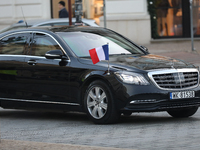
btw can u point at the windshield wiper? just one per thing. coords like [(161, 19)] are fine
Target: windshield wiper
[(124, 54), (121, 54)]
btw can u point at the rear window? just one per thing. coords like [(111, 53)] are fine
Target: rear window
[(14, 44)]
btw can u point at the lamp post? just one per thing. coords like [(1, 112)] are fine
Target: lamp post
[(104, 12), (191, 24), (70, 12), (78, 12)]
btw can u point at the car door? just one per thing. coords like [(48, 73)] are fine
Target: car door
[(48, 79), (12, 55)]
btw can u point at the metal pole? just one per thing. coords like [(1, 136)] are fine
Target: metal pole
[(70, 12), (191, 24), (78, 12), (104, 12)]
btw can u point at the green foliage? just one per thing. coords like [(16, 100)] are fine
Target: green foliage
[(152, 12)]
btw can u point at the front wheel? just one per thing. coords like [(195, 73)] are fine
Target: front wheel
[(99, 103), (183, 113)]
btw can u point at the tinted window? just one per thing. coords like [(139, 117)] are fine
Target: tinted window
[(14, 44), (82, 42), (41, 44)]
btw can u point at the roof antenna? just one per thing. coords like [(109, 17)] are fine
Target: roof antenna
[(24, 18)]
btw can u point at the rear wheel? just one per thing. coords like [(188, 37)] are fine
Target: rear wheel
[(183, 113), (99, 103)]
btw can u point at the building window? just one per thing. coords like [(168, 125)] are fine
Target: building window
[(92, 9), (171, 18), (196, 17)]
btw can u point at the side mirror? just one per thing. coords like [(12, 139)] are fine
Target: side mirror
[(54, 54), (144, 48)]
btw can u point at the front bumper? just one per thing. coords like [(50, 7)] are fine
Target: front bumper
[(161, 105), (151, 99)]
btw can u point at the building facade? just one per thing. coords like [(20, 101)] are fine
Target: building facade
[(130, 18), (11, 11), (139, 20)]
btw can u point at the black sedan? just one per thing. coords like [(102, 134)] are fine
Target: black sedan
[(51, 69)]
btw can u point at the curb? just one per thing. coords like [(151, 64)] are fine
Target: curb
[(27, 145)]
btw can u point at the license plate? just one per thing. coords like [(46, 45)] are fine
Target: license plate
[(182, 95)]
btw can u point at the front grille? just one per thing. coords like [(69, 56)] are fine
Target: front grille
[(177, 79)]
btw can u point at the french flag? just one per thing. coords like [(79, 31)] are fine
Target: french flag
[(99, 53)]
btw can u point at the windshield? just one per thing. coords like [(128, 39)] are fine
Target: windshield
[(82, 42)]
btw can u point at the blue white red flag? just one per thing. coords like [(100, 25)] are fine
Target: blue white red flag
[(99, 53)]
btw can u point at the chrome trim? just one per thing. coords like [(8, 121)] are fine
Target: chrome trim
[(40, 57), (36, 56), (13, 55), (42, 33), (143, 101), (25, 56), (36, 101), (165, 71), (16, 33)]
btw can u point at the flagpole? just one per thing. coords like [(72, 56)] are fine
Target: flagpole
[(108, 69), (108, 62)]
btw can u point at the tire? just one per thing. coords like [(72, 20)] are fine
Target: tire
[(99, 103), (127, 114), (183, 113)]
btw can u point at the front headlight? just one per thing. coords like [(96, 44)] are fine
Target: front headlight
[(132, 78)]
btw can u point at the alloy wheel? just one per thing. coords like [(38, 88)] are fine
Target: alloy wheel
[(97, 103)]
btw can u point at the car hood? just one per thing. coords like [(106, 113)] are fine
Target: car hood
[(142, 62), (149, 62)]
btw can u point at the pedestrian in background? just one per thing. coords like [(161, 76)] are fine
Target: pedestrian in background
[(63, 11)]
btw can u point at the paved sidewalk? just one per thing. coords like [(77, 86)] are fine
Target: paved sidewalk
[(26, 145), (176, 46), (179, 50)]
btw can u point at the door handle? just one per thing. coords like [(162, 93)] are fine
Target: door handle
[(32, 62)]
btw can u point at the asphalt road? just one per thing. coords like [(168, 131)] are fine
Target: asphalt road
[(143, 131)]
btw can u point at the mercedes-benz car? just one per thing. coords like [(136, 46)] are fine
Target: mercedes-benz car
[(51, 69)]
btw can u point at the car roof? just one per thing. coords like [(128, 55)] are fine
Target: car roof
[(43, 22), (79, 29), (59, 29), (39, 22)]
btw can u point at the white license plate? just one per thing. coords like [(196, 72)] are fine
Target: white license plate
[(182, 95)]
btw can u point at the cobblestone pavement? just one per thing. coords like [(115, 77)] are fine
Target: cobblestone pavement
[(143, 131)]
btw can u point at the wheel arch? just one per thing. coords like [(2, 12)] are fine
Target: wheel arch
[(88, 81)]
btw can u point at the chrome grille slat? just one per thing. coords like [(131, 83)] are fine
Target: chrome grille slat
[(165, 81), (183, 84), (189, 79), (175, 78)]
